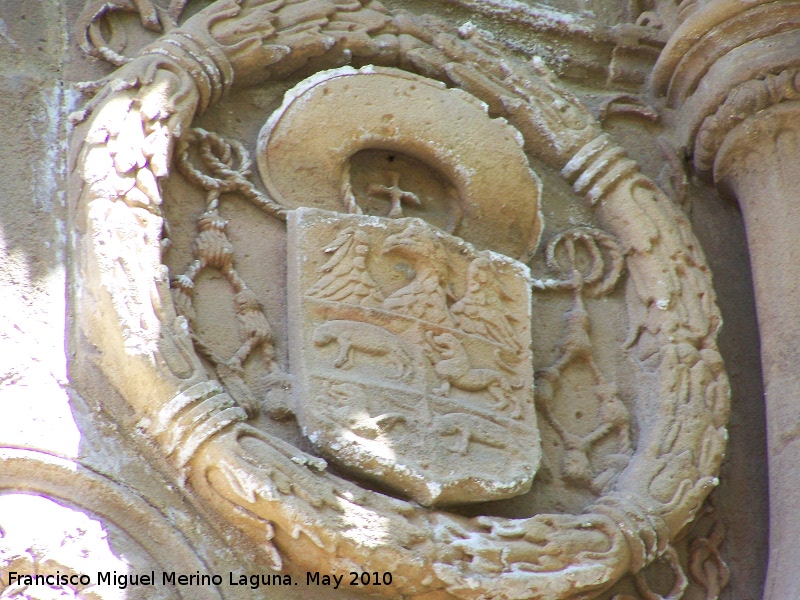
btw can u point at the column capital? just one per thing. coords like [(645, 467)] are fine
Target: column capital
[(726, 62)]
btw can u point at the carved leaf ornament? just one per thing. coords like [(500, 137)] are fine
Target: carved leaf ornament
[(285, 499)]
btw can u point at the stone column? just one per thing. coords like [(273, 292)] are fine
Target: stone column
[(730, 75)]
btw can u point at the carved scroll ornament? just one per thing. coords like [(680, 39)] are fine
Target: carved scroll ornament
[(283, 497)]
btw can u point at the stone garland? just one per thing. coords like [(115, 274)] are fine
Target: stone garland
[(278, 494)]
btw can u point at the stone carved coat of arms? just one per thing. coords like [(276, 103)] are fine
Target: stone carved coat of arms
[(410, 359), (423, 381)]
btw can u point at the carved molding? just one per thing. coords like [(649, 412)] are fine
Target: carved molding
[(284, 497), (742, 103), (100, 498), (631, 47), (726, 62)]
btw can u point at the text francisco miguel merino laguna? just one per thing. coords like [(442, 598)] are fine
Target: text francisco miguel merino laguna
[(122, 580)]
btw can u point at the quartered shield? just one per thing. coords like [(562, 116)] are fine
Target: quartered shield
[(411, 355)]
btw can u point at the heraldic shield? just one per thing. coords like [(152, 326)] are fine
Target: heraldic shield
[(411, 352)]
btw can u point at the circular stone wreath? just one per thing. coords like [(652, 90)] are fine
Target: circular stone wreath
[(283, 497)]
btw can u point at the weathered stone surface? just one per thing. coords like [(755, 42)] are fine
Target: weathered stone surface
[(494, 200), (252, 386), (393, 380)]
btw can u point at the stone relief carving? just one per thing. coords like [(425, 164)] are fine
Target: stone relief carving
[(707, 568), (349, 315), (395, 380), (576, 347), (212, 249)]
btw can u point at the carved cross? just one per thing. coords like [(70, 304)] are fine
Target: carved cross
[(396, 196)]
